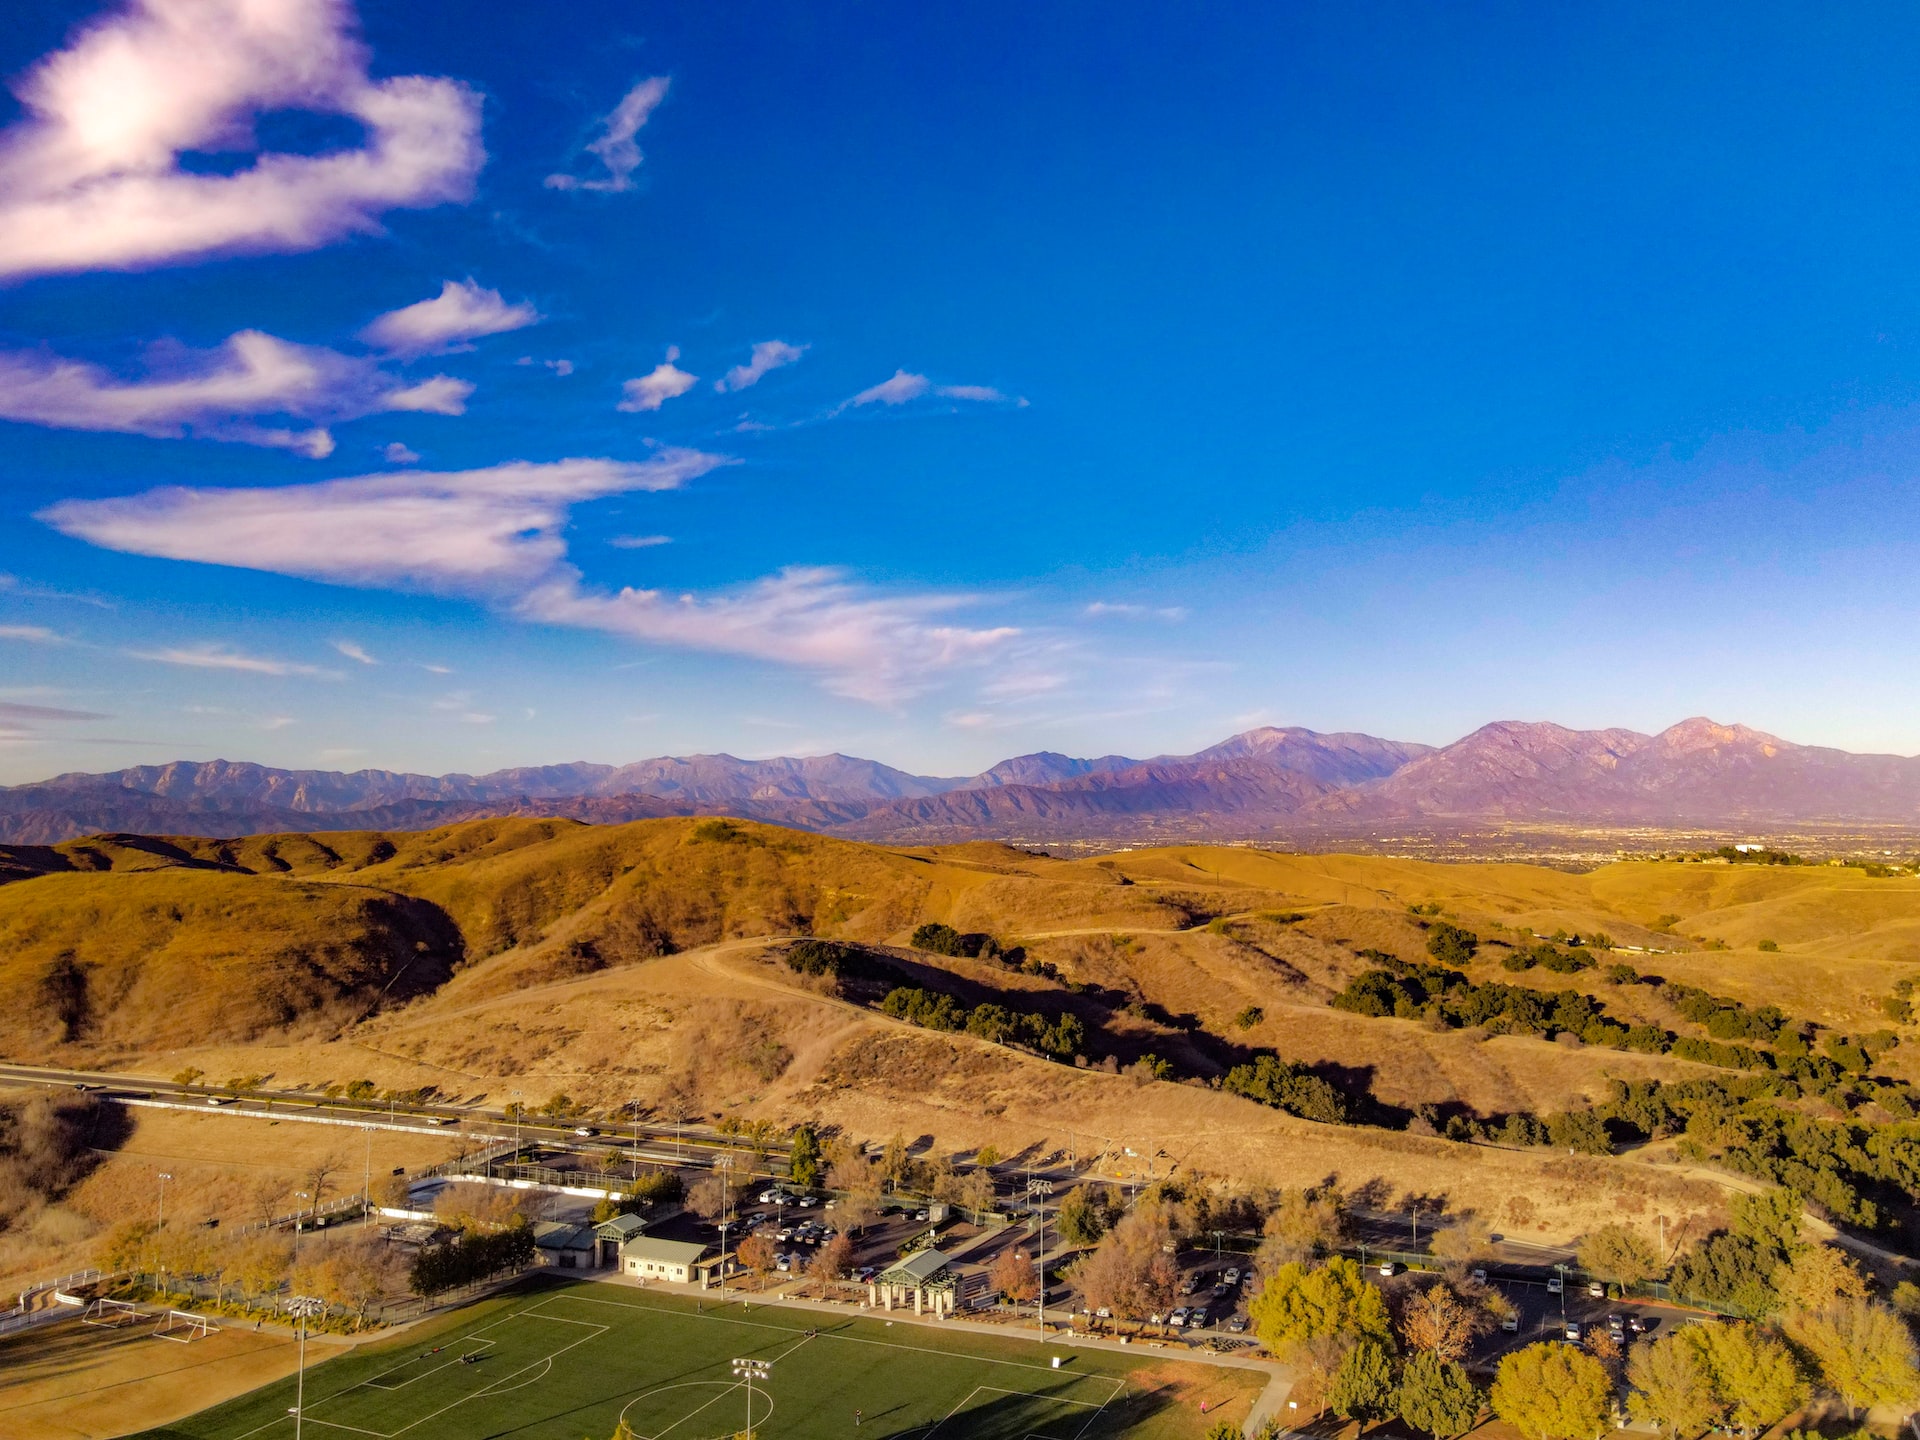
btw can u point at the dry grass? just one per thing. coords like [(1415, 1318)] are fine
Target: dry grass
[(571, 981), (82, 1382)]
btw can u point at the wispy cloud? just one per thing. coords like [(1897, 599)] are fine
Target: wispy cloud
[(903, 386), (639, 542), (767, 356), (663, 383), (91, 177), (223, 657), (462, 311), (27, 589), (11, 711), (32, 634), (1104, 609), (399, 454), (354, 652), (219, 394), (497, 534), (467, 530), (616, 148)]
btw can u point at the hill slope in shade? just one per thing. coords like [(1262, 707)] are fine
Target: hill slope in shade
[(1283, 784)]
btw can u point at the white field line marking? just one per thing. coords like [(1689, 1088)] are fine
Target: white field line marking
[(544, 1364), (376, 1382)]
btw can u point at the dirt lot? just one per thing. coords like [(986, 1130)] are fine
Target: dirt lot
[(71, 1381)]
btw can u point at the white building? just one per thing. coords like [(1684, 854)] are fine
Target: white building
[(645, 1258)]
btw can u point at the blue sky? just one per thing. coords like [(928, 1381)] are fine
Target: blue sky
[(1125, 377)]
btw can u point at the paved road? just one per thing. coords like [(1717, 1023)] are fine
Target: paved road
[(667, 1143)]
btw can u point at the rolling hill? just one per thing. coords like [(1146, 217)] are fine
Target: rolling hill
[(1266, 784)]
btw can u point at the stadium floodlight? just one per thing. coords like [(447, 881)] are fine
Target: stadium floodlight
[(750, 1371), (304, 1307)]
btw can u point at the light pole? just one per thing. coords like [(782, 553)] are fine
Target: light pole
[(159, 1224), (633, 1109), (303, 1307), (750, 1371), (366, 1192)]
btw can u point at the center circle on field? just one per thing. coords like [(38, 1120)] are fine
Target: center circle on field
[(762, 1408)]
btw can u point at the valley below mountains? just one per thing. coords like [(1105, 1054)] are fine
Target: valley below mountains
[(1513, 785)]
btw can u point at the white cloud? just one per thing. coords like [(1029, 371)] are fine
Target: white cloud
[(651, 391), (218, 394), (399, 454), (224, 657), (1101, 609), (354, 652), (562, 368), (277, 722), (767, 355), (872, 647), (615, 147), (441, 395), (904, 386), (461, 311), (91, 178), (458, 531), (31, 634), (496, 534), (639, 542)]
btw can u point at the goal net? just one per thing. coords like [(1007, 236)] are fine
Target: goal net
[(184, 1326), (110, 1312)]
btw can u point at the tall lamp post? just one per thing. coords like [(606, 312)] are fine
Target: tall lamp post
[(750, 1371), (302, 1307)]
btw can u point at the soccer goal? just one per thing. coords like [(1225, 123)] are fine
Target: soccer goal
[(184, 1326), (110, 1312)]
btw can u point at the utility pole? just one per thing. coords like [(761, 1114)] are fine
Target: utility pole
[(366, 1196), (633, 1109), (302, 1306)]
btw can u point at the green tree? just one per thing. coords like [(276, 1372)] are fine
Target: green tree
[(1619, 1254), (1673, 1386), (1552, 1391), (1362, 1387), (1301, 1303), (1083, 1216), (1864, 1351), (804, 1168), (1225, 1430), (1436, 1396), (1450, 945)]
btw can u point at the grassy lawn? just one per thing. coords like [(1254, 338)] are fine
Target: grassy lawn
[(566, 1361)]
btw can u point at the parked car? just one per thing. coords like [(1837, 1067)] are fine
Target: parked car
[(1573, 1330), (1556, 1286), (586, 1130), (1389, 1268), (1510, 1321), (769, 1197), (921, 1216), (1238, 1324), (1637, 1324), (1596, 1290), (865, 1274), (1179, 1318), (783, 1262), (1480, 1277), (1199, 1320), (1233, 1277), (1616, 1327), (1219, 1289)]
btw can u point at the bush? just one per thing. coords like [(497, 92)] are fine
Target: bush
[(1450, 945), (939, 939)]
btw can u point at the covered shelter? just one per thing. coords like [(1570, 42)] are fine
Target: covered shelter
[(610, 1235), (926, 1275)]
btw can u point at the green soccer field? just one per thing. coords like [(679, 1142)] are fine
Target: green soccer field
[(563, 1362)]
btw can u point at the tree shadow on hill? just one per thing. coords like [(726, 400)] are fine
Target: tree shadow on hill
[(1043, 1414)]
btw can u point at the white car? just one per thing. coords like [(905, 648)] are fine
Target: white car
[(1179, 1318), (1389, 1268), (1556, 1286), (1233, 1277)]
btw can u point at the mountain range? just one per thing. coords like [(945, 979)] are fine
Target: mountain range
[(1265, 783)]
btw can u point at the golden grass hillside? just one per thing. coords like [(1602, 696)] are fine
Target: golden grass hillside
[(125, 964), (637, 962)]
